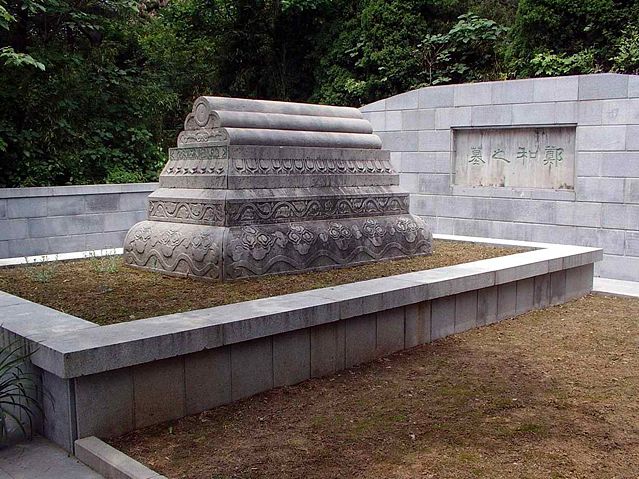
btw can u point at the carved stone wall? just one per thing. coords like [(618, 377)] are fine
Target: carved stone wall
[(260, 188)]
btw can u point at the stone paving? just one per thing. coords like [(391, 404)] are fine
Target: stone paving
[(41, 459)]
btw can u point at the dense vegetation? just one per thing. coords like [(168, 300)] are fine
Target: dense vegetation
[(96, 90)]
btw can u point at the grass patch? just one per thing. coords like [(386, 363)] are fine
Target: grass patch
[(552, 393), (103, 290)]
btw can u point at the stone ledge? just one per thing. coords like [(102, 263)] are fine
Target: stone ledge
[(109, 462), (92, 350), (77, 190)]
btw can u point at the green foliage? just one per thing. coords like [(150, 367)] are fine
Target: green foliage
[(550, 64), (627, 57), (19, 402), (97, 91), (40, 270), (467, 52), (109, 263)]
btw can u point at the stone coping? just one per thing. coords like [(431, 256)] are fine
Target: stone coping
[(70, 347), (76, 190)]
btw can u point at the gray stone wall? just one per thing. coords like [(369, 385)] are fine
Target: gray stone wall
[(65, 219), (601, 211)]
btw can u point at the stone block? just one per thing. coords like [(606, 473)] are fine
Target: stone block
[(3, 209), (506, 301), (158, 391), (66, 244), (57, 408), (393, 120), (417, 324), (513, 91), (541, 292), (109, 462), (114, 239), (327, 348), (13, 229), (403, 101), (28, 247), (434, 140), (579, 281), (525, 295), (466, 305), (446, 118), (207, 379), (487, 305), (612, 241), (473, 94), (566, 112), (4, 249), (122, 220), (534, 114), (620, 164), (425, 162), (377, 119), (251, 367), (434, 184), (425, 205), (27, 207), (631, 190), (390, 331), (602, 86), (436, 96), (360, 339), (633, 86), (602, 190), (619, 267), (559, 89), (597, 138), (557, 287), (65, 205), (492, 115), (589, 112), (399, 140), (620, 112), (578, 214), (104, 403), (632, 243), (617, 216), (375, 106), (442, 317), (64, 225), (133, 201), (632, 137), (418, 119), (102, 203), (409, 182), (291, 357)]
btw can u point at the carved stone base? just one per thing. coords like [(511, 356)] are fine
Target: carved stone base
[(216, 252)]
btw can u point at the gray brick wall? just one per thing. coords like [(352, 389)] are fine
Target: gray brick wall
[(602, 211), (65, 219)]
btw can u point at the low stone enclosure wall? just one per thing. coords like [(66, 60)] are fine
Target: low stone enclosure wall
[(468, 154), (108, 380), (67, 219)]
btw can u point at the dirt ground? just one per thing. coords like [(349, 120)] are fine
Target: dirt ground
[(551, 394), (105, 291)]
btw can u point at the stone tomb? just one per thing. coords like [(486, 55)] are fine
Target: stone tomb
[(260, 187)]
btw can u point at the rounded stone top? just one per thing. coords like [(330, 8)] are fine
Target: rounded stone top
[(239, 121)]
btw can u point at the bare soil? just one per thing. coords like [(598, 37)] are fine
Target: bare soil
[(550, 394), (106, 291)]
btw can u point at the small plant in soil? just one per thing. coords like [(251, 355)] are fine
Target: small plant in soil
[(104, 264), (19, 403), (40, 270)]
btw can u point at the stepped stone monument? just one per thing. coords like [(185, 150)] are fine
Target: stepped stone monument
[(261, 187)]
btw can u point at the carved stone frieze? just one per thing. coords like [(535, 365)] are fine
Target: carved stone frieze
[(309, 166), (206, 213), (181, 250), (259, 250), (203, 136), (278, 210)]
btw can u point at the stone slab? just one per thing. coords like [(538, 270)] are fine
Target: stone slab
[(251, 367), (417, 324), (207, 379), (442, 317), (109, 462), (390, 331), (466, 308), (327, 348), (291, 357), (360, 339)]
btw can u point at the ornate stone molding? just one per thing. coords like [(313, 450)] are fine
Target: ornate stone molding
[(187, 212), (305, 166)]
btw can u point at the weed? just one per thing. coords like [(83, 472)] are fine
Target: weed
[(104, 264), (40, 270)]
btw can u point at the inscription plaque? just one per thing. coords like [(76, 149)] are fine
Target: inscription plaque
[(531, 157)]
